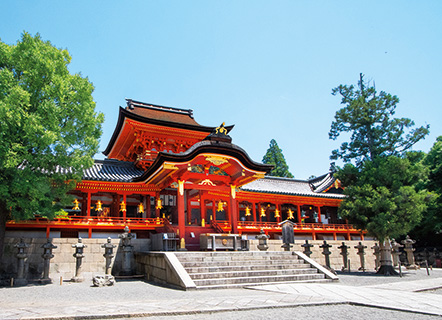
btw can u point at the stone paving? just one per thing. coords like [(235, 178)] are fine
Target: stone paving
[(139, 299)]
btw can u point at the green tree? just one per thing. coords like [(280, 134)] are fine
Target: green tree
[(367, 115), (49, 129), (381, 183), (275, 157), (429, 231)]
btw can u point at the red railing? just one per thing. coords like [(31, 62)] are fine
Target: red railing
[(273, 226), (84, 221)]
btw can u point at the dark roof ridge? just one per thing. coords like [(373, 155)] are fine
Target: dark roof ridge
[(158, 107)]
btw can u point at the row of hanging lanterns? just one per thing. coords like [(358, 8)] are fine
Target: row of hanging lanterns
[(99, 206)]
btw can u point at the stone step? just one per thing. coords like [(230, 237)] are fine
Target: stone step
[(251, 273), (257, 279), (189, 264), (244, 267), (220, 256)]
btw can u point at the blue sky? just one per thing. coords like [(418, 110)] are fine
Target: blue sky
[(266, 66)]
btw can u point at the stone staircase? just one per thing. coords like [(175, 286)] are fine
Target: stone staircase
[(210, 270)]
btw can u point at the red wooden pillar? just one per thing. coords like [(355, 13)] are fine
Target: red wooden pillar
[(254, 211), (189, 211), (319, 215), (298, 212), (88, 207), (203, 207), (259, 210), (233, 209), (181, 211)]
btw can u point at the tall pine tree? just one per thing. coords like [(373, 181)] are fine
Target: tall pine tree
[(381, 191), (275, 157)]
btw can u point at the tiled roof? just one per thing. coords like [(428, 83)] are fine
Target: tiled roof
[(112, 170), (321, 183), (162, 113), (122, 171), (291, 187)]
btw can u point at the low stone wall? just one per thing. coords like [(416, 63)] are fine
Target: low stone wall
[(63, 263), (336, 261), (163, 268)]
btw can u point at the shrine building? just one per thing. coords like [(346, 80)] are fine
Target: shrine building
[(165, 173)]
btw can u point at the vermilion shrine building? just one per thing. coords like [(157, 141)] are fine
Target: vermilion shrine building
[(166, 173)]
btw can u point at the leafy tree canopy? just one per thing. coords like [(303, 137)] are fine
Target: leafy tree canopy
[(429, 231), (382, 190), (275, 157), (382, 197), (49, 129), (367, 116)]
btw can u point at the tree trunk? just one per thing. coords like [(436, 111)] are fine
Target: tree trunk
[(386, 268)]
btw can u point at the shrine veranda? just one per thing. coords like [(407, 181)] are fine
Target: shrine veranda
[(165, 173)]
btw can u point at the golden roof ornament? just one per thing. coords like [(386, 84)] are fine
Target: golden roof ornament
[(221, 129)]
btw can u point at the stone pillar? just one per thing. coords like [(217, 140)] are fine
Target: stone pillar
[(377, 254), (326, 252), (408, 243), (288, 236), (79, 248), (307, 247), (127, 247), (262, 241), (361, 253), (20, 280), (47, 256), (344, 253), (108, 255)]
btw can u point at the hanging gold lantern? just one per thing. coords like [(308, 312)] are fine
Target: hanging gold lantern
[(248, 212), (140, 208), (277, 213), (98, 206), (76, 207), (123, 206), (220, 206), (290, 216), (263, 212), (159, 204)]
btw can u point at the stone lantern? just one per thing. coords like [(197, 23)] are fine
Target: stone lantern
[(21, 256), (262, 241), (47, 256)]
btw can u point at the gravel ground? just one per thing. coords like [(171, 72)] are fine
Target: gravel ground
[(328, 312)]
